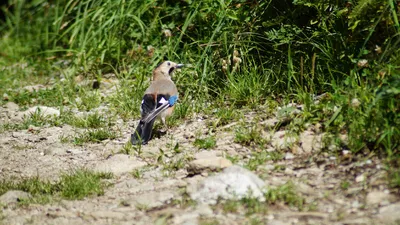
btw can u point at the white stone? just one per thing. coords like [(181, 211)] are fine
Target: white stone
[(389, 214), (14, 196), (233, 183), (378, 198), (44, 110), (360, 178), (11, 106), (289, 156)]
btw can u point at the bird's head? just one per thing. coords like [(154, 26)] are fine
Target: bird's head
[(165, 69)]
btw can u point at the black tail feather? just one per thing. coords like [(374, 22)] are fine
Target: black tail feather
[(143, 133)]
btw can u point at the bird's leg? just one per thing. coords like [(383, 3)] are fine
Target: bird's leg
[(164, 128)]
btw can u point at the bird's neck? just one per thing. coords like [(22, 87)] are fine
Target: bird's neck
[(161, 76)]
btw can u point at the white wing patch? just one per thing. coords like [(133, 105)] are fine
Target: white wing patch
[(162, 101)]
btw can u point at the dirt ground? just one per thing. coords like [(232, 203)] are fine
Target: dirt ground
[(339, 189)]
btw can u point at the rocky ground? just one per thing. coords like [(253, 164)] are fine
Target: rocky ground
[(185, 184)]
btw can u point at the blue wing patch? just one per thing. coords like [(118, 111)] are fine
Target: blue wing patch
[(172, 100)]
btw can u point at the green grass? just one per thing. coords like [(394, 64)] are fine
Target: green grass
[(35, 119), (77, 184), (94, 136), (205, 143), (82, 183), (285, 194), (245, 135), (93, 120), (261, 157)]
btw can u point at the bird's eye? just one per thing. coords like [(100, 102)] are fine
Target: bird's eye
[(169, 64)]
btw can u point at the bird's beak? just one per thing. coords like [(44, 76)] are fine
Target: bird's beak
[(179, 65)]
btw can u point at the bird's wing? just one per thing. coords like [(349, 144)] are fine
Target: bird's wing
[(158, 97)]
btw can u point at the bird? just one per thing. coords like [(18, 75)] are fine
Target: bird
[(158, 101)]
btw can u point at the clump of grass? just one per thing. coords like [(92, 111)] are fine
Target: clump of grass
[(344, 185), (37, 119), (137, 173), (249, 205), (205, 143), (93, 120), (88, 100), (94, 136), (261, 157), (47, 97), (176, 163), (248, 135), (285, 193), (82, 183), (78, 184), (226, 116)]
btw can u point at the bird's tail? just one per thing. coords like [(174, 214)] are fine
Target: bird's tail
[(143, 132)]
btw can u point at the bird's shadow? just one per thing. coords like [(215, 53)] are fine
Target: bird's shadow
[(158, 133)]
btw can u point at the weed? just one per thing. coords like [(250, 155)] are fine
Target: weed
[(137, 173), (286, 194), (344, 185), (233, 159), (94, 136), (92, 120), (260, 158), (205, 143), (74, 185), (248, 136), (225, 116), (249, 205), (82, 183)]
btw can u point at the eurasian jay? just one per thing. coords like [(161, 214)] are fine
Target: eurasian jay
[(158, 101)]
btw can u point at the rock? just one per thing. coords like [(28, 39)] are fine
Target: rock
[(108, 215), (208, 164), (119, 164), (360, 178), (278, 222), (304, 188), (6, 97), (233, 183), (206, 154), (44, 110), (270, 123), (14, 196), (152, 199), (379, 197), (310, 142), (389, 214), (11, 106), (190, 218), (32, 88), (358, 221), (289, 156), (204, 210), (305, 215), (280, 140)]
